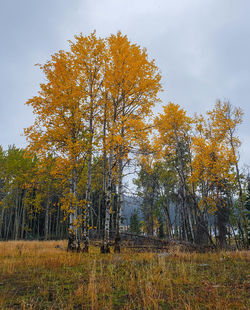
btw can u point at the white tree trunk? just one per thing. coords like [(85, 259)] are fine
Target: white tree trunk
[(106, 245)]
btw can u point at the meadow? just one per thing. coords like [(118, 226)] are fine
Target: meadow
[(39, 275)]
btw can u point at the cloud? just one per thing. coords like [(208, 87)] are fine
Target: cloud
[(201, 47)]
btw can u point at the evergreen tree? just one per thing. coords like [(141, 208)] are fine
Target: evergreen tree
[(135, 224)]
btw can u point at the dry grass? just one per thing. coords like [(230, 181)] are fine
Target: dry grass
[(36, 275)]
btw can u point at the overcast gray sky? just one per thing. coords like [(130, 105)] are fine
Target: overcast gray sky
[(202, 48)]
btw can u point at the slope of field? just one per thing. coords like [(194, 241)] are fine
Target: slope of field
[(37, 275)]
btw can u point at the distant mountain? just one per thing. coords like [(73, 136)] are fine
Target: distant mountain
[(130, 204)]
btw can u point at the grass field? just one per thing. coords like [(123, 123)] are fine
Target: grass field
[(36, 275)]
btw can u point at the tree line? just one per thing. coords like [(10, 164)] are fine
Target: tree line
[(93, 119)]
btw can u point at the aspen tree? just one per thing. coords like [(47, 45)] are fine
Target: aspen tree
[(132, 83), (213, 163), (106, 86), (89, 58), (173, 141), (58, 129), (224, 122)]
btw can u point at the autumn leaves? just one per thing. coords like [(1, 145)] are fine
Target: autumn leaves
[(94, 104), (202, 153), (206, 147)]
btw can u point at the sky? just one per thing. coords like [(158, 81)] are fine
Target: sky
[(202, 48)]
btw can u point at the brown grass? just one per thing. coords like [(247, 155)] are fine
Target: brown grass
[(36, 275)]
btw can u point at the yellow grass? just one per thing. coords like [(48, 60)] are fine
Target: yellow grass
[(36, 275)]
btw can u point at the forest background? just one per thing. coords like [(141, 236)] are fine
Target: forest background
[(211, 67)]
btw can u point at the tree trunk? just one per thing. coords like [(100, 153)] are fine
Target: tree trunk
[(119, 205), (2, 220), (87, 209), (73, 238), (106, 243), (46, 224), (17, 222), (88, 186), (221, 223), (23, 222)]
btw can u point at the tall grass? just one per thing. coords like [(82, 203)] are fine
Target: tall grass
[(37, 275)]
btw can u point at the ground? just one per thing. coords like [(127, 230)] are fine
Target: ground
[(39, 275)]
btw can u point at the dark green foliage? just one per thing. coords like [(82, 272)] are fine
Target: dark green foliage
[(135, 224)]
